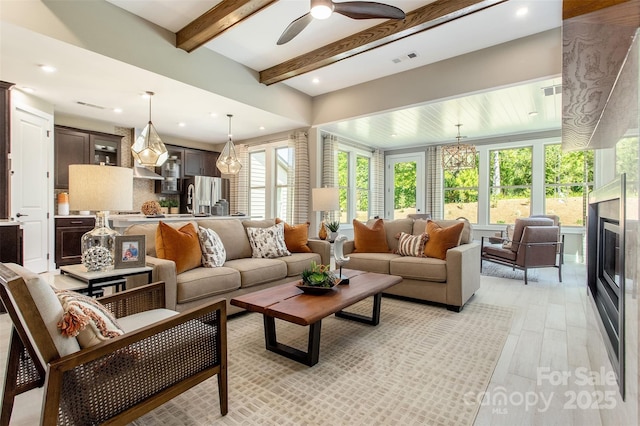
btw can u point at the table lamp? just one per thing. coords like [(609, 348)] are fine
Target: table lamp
[(100, 188), (324, 200)]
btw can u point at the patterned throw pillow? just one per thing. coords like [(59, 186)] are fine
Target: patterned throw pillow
[(213, 252), (412, 245), (268, 242), (87, 319)]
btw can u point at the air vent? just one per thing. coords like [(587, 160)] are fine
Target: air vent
[(411, 55), (90, 105), (552, 90)]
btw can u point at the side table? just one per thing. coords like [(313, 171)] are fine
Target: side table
[(98, 279)]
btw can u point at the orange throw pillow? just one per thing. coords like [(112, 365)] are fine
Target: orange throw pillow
[(296, 237), (180, 245), (369, 240), (442, 239)]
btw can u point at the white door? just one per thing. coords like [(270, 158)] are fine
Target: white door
[(31, 148), (404, 183)]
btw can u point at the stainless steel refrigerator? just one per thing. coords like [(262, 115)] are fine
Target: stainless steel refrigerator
[(202, 195)]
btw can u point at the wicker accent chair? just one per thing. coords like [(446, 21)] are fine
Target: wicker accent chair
[(161, 354), (535, 244)]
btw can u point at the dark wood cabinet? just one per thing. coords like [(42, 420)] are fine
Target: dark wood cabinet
[(11, 247), (75, 146), (210, 168), (200, 163), (69, 232)]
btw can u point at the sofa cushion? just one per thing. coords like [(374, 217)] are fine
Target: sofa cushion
[(425, 268), (213, 252), (199, 283), (420, 225), (393, 228), (180, 245), (268, 242), (149, 232), (87, 319), (142, 319), (442, 239), (263, 223), (371, 262), (499, 251), (296, 237), (254, 271), (298, 262), (370, 239), (233, 235), (411, 245)]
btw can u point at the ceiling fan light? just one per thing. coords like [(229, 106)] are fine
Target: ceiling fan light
[(321, 9)]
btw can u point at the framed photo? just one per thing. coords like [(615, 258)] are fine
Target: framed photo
[(130, 251)]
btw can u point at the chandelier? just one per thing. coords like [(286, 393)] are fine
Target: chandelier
[(228, 162), (458, 156), (148, 148)]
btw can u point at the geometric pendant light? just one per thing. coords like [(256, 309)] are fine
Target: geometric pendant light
[(228, 162), (148, 148), (458, 156)]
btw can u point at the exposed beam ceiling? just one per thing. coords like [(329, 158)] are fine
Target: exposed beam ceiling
[(218, 19), (424, 18)]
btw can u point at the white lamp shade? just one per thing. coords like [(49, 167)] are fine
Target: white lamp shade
[(325, 199), (100, 188)]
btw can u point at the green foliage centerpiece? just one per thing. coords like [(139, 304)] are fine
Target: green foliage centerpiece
[(318, 277)]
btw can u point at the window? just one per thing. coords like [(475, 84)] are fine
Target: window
[(568, 181), (271, 181), (461, 194), (354, 175), (510, 183)]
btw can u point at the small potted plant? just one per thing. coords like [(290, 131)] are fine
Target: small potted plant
[(317, 278), (164, 206), (333, 227), (174, 206)]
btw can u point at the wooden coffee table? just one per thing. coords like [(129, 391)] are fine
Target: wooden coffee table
[(287, 302)]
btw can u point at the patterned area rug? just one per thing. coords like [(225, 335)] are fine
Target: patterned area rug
[(421, 365), (502, 271)]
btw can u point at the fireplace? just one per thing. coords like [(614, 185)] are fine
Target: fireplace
[(605, 268)]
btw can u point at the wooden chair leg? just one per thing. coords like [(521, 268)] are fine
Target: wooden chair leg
[(11, 377), (222, 390)]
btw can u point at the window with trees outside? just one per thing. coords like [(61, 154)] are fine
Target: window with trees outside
[(270, 186), (461, 193), (353, 172), (568, 181), (510, 182)]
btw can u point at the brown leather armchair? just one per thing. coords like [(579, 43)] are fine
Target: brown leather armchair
[(535, 244)]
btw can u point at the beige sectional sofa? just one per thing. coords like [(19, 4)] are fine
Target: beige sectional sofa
[(240, 273), (450, 282)]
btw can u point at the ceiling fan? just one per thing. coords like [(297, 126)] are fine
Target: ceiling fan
[(322, 9)]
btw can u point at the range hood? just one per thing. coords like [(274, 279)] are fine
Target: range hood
[(141, 172)]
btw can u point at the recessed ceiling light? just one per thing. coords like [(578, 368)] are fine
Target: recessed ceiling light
[(145, 96), (522, 12), (182, 124), (214, 114), (117, 110), (261, 127), (47, 68), (315, 80), (28, 89), (533, 113), (393, 135)]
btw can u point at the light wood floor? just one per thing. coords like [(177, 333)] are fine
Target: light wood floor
[(548, 331)]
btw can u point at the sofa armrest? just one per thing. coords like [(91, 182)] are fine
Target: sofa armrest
[(323, 248), (463, 273), (165, 270), (348, 247)]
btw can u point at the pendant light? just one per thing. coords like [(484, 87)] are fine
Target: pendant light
[(458, 156), (148, 148), (228, 162)]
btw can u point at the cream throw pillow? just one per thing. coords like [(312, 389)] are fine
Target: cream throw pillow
[(412, 245), (268, 242)]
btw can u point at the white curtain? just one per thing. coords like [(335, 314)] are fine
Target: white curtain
[(434, 181), (376, 184), (329, 167), (299, 179), (239, 183)]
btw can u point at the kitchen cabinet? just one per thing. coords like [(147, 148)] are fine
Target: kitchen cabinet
[(75, 146), (200, 163), (69, 232), (11, 247)]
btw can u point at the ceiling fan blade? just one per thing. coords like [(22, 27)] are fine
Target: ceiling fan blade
[(368, 10), (295, 28)]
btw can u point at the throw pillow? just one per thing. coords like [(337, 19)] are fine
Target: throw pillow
[(296, 237), (442, 239), (412, 245), (369, 240), (87, 319), (268, 242), (180, 245), (213, 252), (509, 240)]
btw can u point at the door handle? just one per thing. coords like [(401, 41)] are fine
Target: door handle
[(20, 215)]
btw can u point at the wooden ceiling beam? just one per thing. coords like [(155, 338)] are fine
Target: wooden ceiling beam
[(424, 18), (218, 19)]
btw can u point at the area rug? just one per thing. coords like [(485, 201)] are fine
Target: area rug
[(421, 365), (502, 271)]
